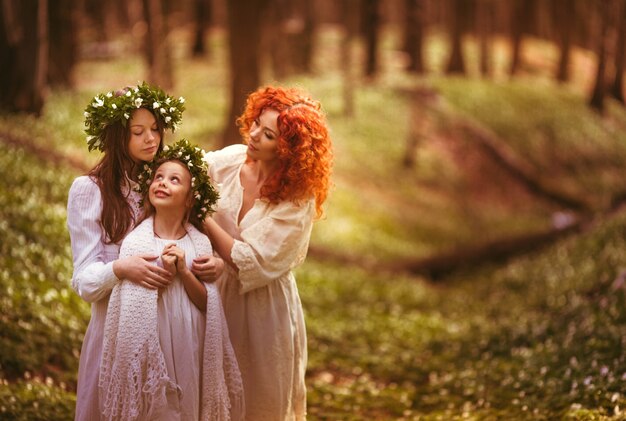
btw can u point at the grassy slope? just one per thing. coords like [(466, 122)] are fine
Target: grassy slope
[(537, 338)]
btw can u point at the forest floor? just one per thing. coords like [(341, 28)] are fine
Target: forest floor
[(539, 335)]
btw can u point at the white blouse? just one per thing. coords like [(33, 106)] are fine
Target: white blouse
[(93, 279), (261, 301)]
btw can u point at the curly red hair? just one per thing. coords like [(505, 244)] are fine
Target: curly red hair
[(304, 146)]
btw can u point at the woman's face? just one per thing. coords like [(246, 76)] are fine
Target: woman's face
[(144, 136), (264, 136), (170, 186)]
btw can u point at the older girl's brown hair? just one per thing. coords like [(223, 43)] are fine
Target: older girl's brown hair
[(110, 174), (304, 146)]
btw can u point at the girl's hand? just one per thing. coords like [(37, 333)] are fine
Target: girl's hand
[(140, 270), (176, 255), (207, 268), (169, 261)]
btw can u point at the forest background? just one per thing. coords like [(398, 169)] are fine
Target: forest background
[(470, 264)]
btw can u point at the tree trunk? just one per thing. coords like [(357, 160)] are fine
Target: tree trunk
[(63, 42), (244, 25), (484, 23), (158, 52), (24, 55), (597, 97), (351, 23), (300, 31), (414, 35), (371, 24), (564, 18), (203, 20), (456, 63), (522, 12), (617, 89), (276, 39)]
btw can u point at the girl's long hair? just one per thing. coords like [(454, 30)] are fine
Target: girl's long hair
[(110, 174), (304, 148)]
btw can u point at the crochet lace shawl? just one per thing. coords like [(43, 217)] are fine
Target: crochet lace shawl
[(133, 376)]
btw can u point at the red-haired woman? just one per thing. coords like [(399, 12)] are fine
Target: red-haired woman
[(271, 190)]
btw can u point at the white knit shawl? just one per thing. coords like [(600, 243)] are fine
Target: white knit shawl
[(133, 376)]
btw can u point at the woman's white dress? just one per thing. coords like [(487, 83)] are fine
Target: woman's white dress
[(261, 301), (93, 279)]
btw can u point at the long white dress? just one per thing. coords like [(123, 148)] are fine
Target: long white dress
[(162, 358), (93, 279), (261, 302)]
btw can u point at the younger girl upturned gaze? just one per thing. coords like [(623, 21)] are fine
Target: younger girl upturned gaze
[(167, 353)]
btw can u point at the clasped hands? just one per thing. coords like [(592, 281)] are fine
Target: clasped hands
[(207, 268)]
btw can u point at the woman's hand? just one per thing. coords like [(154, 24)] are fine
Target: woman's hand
[(140, 270), (207, 268)]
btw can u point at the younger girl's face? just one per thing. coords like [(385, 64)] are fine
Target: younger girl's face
[(170, 187), (144, 136)]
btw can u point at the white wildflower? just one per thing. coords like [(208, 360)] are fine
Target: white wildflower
[(126, 116), (128, 93), (162, 110), (155, 105), (172, 109), (182, 100), (138, 102), (86, 114), (166, 148), (167, 101), (114, 106), (98, 102), (109, 94), (168, 119)]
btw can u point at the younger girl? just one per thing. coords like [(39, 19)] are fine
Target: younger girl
[(166, 353)]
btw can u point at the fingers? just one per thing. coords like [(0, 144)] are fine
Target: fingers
[(204, 258), (149, 257), (154, 281)]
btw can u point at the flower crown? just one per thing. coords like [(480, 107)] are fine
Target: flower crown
[(204, 194), (105, 109)]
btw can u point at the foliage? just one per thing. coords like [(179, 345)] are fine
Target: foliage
[(36, 400), (42, 319), (540, 338)]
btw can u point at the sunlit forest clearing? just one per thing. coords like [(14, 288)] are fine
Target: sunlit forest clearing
[(537, 334)]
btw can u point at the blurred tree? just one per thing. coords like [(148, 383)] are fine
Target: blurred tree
[(458, 9), (157, 48), (23, 54), (202, 16), (244, 29), (617, 88), (414, 34), (599, 91), (563, 17), (289, 36), (351, 24), (97, 12), (63, 43), (522, 14), (370, 28), (484, 25)]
